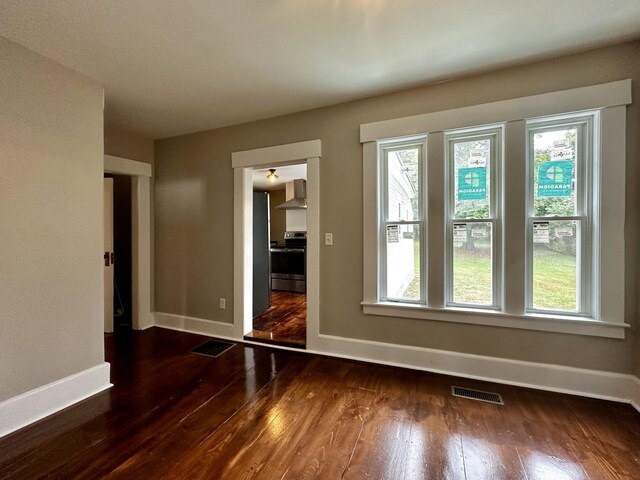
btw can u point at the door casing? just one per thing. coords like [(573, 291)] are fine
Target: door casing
[(141, 174), (308, 152)]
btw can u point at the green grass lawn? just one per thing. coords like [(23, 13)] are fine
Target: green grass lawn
[(554, 282), (472, 276)]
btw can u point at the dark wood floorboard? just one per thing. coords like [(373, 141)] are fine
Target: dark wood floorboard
[(284, 323), (260, 413)]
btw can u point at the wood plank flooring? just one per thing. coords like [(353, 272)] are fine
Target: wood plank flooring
[(284, 323), (259, 413)]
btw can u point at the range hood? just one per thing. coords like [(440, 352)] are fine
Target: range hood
[(296, 195)]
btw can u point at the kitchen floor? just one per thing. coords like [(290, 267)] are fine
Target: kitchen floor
[(284, 323)]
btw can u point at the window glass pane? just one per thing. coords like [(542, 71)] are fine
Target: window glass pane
[(402, 184), (554, 176), (472, 276), (555, 260), (403, 262), (472, 178)]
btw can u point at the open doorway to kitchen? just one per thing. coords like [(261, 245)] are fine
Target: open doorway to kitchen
[(307, 152), (279, 256)]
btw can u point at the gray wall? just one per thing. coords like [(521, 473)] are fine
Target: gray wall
[(121, 143), (51, 168), (194, 212)]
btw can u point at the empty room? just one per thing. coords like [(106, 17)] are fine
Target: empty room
[(341, 239)]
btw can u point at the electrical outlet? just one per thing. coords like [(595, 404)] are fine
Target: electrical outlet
[(223, 303), (328, 238)]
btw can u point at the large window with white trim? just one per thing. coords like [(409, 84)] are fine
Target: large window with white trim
[(508, 214)]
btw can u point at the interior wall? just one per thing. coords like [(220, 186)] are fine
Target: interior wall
[(125, 144), (51, 169), (194, 212), (296, 220)]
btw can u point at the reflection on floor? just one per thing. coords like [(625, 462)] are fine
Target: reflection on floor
[(285, 323)]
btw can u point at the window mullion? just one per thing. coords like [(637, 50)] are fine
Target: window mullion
[(558, 218), (474, 220)]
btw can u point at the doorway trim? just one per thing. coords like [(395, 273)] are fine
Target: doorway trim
[(243, 163), (140, 173)]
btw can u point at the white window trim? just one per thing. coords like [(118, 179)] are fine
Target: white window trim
[(496, 133), (586, 163), (611, 100), (421, 143)]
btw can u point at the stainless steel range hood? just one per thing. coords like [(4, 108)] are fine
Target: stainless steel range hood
[(297, 188)]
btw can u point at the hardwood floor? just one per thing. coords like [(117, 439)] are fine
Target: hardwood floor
[(284, 323), (260, 413)]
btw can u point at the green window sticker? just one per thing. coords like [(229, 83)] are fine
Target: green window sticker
[(472, 183), (555, 179)]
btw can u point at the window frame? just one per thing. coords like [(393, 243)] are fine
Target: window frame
[(607, 317), (587, 192), (390, 145), (493, 133)]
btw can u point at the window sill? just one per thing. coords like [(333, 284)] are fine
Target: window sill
[(528, 321)]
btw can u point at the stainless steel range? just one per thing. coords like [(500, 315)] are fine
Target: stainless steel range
[(289, 263)]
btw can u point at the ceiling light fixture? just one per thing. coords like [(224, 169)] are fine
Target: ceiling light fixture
[(272, 177)]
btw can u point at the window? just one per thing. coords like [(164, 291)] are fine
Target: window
[(473, 233), (560, 202), (402, 221), (507, 214)]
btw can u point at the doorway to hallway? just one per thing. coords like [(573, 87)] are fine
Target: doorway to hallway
[(118, 288)]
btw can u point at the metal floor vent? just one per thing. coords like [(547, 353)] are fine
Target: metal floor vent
[(479, 395), (213, 348)]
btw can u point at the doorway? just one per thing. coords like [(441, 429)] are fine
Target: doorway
[(279, 256), (121, 253), (244, 163), (138, 175)]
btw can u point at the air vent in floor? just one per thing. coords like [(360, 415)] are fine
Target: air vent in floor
[(477, 395), (213, 348)]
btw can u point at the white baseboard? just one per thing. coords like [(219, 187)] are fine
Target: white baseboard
[(31, 406), (541, 376), (635, 393), (145, 327), (194, 325)]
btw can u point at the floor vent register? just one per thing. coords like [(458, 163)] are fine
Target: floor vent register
[(213, 348), (479, 395)]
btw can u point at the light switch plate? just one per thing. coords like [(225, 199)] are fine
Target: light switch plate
[(328, 238)]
